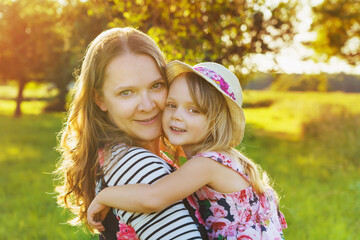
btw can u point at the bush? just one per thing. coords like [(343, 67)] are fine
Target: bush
[(344, 82), (301, 82), (339, 130)]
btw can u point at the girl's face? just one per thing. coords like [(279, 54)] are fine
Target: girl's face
[(134, 95), (183, 124)]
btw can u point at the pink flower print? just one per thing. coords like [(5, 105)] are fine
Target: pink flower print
[(126, 233), (232, 229), (218, 211), (218, 226), (282, 221), (241, 196), (243, 237), (197, 212), (218, 80), (248, 216), (208, 193)]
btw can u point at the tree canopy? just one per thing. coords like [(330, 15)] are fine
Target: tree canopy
[(44, 40), (337, 24), (209, 30)]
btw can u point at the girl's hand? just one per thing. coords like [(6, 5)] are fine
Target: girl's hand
[(96, 213)]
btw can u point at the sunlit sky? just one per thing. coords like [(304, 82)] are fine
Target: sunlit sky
[(290, 58)]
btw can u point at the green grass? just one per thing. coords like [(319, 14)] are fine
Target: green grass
[(309, 144), (28, 206)]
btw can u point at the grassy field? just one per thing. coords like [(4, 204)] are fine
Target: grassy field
[(309, 143)]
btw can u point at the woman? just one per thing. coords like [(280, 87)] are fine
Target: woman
[(112, 132)]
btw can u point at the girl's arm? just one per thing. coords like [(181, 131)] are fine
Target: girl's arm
[(176, 186)]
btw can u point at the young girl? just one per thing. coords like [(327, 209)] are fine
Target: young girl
[(203, 115)]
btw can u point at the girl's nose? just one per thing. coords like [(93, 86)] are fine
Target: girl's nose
[(146, 102), (176, 114)]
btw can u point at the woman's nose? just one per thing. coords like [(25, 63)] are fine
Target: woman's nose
[(146, 102)]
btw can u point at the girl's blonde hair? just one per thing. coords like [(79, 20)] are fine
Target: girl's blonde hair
[(211, 102), (88, 128)]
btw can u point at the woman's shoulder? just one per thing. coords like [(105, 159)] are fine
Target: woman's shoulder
[(122, 151), (128, 165)]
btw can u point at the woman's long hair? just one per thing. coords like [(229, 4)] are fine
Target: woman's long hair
[(87, 128), (212, 103)]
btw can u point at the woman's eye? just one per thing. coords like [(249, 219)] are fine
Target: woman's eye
[(158, 85), (170, 105), (125, 93)]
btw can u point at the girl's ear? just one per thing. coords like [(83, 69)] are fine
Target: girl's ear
[(98, 98)]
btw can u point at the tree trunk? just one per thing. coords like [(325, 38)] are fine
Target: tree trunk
[(19, 98), (58, 104)]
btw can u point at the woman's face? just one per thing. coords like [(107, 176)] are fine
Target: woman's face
[(134, 95)]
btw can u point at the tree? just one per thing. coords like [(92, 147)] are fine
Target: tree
[(209, 30), (44, 40), (337, 24), (78, 25), (26, 40)]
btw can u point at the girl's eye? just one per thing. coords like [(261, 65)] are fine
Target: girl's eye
[(193, 110), (158, 85), (125, 93)]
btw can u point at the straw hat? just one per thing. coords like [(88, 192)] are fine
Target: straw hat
[(224, 81)]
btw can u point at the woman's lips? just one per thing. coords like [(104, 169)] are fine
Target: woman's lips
[(148, 121)]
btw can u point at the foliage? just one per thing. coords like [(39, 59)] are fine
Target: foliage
[(344, 82), (47, 38), (289, 111), (300, 82), (314, 82), (27, 38), (44, 40), (320, 128), (258, 81), (209, 30), (337, 25), (78, 28)]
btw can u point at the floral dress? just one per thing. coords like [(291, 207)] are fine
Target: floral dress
[(237, 215)]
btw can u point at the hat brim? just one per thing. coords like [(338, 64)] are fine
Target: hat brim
[(175, 68)]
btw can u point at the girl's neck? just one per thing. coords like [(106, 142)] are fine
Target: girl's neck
[(191, 150), (153, 146)]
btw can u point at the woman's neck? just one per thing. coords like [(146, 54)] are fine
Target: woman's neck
[(153, 146)]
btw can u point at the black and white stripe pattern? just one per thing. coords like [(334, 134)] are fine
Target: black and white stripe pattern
[(141, 166)]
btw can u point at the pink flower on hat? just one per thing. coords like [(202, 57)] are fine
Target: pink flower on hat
[(218, 80)]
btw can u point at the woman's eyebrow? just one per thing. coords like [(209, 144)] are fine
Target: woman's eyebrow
[(159, 79), (130, 86), (123, 87)]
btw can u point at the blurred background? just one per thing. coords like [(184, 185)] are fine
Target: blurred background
[(298, 63)]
